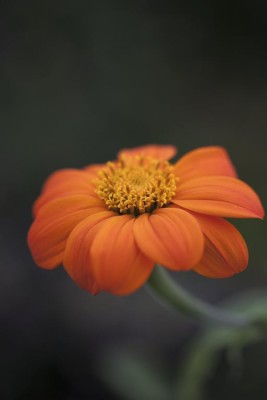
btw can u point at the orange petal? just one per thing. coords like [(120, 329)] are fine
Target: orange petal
[(67, 176), (77, 253), (103, 255), (161, 152), (225, 249), (205, 161), (67, 182), (219, 195), (171, 237), (50, 230), (66, 190), (118, 264)]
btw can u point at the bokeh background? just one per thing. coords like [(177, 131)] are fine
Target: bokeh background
[(79, 81)]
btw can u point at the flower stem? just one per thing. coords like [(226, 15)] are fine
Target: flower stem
[(174, 295)]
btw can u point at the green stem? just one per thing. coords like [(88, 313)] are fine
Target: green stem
[(174, 295)]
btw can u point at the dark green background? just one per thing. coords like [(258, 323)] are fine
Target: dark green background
[(79, 81)]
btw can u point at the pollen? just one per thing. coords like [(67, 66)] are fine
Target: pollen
[(136, 185)]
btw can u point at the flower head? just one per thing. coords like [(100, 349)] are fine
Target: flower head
[(109, 224)]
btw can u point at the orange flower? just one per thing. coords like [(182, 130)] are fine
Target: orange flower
[(109, 224)]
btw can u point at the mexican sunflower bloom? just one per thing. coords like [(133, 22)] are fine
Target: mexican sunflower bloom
[(108, 224)]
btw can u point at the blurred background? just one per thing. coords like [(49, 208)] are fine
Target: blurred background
[(79, 81)]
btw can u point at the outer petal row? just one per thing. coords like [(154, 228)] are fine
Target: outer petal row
[(205, 161), (77, 253), (225, 249), (103, 251), (68, 175), (220, 196), (67, 182), (102, 254), (55, 221), (117, 253), (171, 237)]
